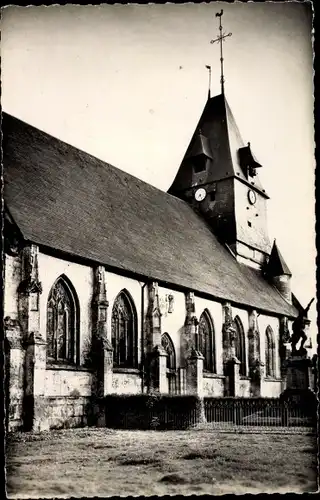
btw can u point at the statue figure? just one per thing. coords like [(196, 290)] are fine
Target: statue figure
[(298, 327)]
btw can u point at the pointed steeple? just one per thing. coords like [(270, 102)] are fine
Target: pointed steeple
[(276, 265), (278, 273), (218, 129)]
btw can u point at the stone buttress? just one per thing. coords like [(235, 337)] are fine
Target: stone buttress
[(102, 351)]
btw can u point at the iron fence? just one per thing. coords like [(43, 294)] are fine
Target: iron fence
[(263, 413), (178, 412)]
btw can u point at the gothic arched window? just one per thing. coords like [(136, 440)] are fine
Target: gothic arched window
[(270, 352), (206, 341), (124, 332), (62, 323), (168, 346), (240, 346)]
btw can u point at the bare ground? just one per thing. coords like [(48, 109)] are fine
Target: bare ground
[(104, 462)]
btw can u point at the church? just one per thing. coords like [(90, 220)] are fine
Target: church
[(115, 287)]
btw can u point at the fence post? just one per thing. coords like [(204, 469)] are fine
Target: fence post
[(237, 412), (284, 414)]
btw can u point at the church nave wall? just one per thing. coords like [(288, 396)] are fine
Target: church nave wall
[(81, 277)]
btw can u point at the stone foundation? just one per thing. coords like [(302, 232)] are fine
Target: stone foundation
[(66, 412), (14, 418), (62, 412), (213, 385)]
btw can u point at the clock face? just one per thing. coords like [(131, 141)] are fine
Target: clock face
[(252, 197), (200, 194)]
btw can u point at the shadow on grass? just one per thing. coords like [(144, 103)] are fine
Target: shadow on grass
[(176, 478), (173, 479), (102, 446), (309, 449), (140, 461), (204, 455)]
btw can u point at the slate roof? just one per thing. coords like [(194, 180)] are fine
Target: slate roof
[(201, 146), (218, 125), (276, 265), (70, 201)]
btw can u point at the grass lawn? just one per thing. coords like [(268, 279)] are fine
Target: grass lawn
[(104, 462)]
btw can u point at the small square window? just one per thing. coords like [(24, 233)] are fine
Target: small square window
[(249, 223), (212, 196)]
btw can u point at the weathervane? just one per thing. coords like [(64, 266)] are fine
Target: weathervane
[(220, 39)]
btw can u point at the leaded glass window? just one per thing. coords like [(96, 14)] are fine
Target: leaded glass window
[(270, 353), (240, 346), (206, 342), (62, 323), (124, 332), (168, 346)]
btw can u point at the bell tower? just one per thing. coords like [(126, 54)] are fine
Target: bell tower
[(219, 178)]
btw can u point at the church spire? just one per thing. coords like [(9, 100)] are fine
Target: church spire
[(221, 37), (279, 273), (276, 265), (218, 178)]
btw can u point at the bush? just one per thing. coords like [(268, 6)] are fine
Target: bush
[(151, 411)]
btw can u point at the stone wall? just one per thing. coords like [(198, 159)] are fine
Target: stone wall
[(81, 277), (14, 369), (12, 281), (67, 383), (68, 411), (213, 386), (244, 387), (126, 382), (271, 388), (114, 285), (13, 349), (255, 235), (63, 386), (244, 317), (264, 321), (173, 322)]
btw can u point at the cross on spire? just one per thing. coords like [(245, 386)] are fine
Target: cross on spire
[(221, 38)]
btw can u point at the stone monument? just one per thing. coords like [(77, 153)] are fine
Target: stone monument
[(300, 387)]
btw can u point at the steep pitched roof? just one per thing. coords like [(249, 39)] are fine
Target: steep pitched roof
[(67, 200), (218, 125), (276, 265)]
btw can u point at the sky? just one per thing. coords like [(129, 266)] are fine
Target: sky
[(128, 83)]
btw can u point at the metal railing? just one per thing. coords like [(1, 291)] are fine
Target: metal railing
[(264, 413), (217, 413)]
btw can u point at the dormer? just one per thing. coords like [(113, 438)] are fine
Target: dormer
[(199, 153), (247, 161)]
